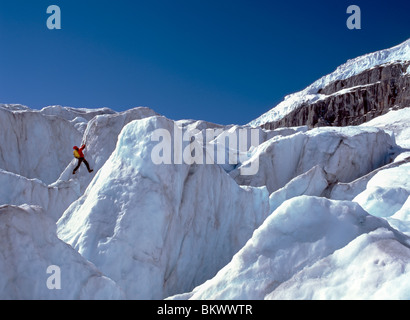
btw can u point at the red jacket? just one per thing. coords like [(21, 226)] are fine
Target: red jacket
[(80, 151)]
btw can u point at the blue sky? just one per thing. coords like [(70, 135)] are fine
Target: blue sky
[(224, 61)]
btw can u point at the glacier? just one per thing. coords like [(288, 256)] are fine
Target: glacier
[(327, 215), (147, 231)]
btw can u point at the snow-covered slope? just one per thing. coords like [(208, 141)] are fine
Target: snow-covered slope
[(352, 67)]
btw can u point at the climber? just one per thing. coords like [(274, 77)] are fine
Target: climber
[(78, 153)]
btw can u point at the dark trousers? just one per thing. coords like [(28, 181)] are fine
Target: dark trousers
[(79, 163)]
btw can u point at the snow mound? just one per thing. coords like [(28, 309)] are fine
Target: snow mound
[(352, 67), (301, 232), (29, 246), (35, 145)]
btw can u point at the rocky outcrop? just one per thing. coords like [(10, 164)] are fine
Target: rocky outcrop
[(354, 100)]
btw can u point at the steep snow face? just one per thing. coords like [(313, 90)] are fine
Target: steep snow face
[(100, 138), (160, 229), (29, 246), (352, 67), (35, 145), (38, 143), (344, 154), (292, 239)]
